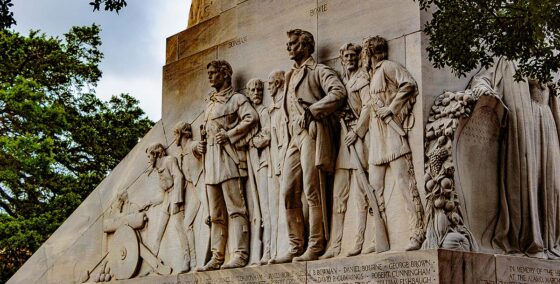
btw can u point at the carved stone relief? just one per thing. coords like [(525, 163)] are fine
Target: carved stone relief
[(229, 123), (324, 143), (491, 177), (479, 136), (351, 160), (392, 93), (306, 170), (528, 182), (445, 225), (310, 152), (127, 250)]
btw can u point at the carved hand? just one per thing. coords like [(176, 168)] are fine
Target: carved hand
[(301, 121), (201, 147), (384, 112), (221, 137), (481, 91), (350, 138)]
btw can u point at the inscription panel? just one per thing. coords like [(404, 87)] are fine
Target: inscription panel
[(521, 270), (291, 273), (414, 267)]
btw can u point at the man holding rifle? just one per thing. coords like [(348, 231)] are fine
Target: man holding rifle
[(354, 118), (392, 93)]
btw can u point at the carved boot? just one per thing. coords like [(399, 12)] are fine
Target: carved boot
[(218, 235), (336, 237), (186, 265), (240, 241), (359, 241), (316, 236), (192, 248), (414, 244), (295, 235), (265, 258), (266, 246)]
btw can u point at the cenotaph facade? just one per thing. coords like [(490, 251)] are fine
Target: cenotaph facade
[(311, 141)]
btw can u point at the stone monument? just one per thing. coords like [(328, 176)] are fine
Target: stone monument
[(312, 142)]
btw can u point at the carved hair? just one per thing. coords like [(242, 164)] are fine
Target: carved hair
[(181, 129), (305, 37), (350, 46), (255, 82), (223, 67), (278, 76), (376, 47), (156, 150)]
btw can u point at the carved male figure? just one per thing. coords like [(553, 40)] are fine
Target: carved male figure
[(355, 119), (313, 93), (393, 93), (278, 145), (259, 159), (229, 120), (171, 182), (192, 167)]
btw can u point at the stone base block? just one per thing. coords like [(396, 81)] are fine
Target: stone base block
[(417, 267)]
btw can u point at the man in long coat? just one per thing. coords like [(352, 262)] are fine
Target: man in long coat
[(313, 93)]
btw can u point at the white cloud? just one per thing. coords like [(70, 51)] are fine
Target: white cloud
[(133, 41)]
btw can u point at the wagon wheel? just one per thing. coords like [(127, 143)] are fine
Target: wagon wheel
[(124, 253)]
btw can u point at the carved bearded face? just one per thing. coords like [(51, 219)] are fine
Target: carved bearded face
[(350, 60), (296, 49), (256, 93), (216, 78)]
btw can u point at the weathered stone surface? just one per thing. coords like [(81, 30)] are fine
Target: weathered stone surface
[(279, 273), (466, 267), (419, 266), (511, 269), (251, 36)]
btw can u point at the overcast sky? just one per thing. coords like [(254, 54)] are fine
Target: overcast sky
[(133, 40)]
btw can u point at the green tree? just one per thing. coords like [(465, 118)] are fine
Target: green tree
[(7, 17), (466, 34), (58, 141)]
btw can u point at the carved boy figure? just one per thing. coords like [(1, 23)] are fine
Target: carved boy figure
[(355, 118), (191, 167), (278, 145), (171, 182), (228, 121), (259, 159), (313, 93), (393, 93)]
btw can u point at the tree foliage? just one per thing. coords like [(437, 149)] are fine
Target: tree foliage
[(58, 141), (466, 34), (110, 5), (7, 16)]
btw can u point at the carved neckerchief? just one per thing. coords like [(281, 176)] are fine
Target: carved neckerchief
[(223, 96)]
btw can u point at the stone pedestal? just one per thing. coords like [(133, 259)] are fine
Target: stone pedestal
[(428, 266)]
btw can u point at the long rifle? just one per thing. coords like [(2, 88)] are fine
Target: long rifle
[(256, 218), (381, 237), (203, 139)]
